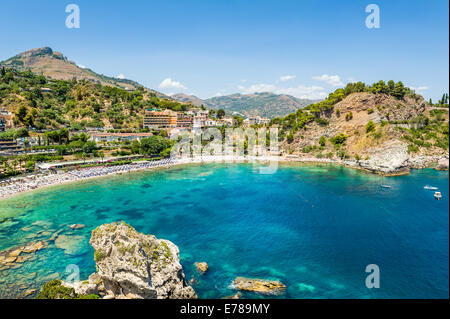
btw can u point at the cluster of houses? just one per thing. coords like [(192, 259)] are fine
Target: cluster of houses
[(6, 119), (256, 120), (193, 119), (172, 122)]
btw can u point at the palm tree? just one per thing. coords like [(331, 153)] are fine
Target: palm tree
[(101, 154), (14, 164)]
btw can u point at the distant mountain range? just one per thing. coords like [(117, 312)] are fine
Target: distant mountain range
[(264, 104), (55, 65), (186, 98)]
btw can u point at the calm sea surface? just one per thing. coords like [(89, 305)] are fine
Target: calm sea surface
[(314, 228)]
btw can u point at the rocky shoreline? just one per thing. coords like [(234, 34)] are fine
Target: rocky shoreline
[(388, 165), (390, 162), (131, 265)]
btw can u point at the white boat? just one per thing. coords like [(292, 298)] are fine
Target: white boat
[(431, 188), (438, 195), (385, 186)]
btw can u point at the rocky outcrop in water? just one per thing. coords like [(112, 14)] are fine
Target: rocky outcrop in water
[(443, 164), (202, 267), (15, 257), (259, 285), (390, 159), (131, 265)]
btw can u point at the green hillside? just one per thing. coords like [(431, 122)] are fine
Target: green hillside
[(75, 104)]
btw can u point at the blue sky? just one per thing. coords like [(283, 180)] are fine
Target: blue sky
[(211, 47)]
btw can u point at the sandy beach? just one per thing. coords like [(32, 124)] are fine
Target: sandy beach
[(19, 185)]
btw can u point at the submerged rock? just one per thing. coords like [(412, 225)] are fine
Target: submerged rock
[(202, 267), (16, 252), (259, 285), (55, 235), (235, 296), (14, 257), (72, 245), (29, 292), (77, 226), (33, 247)]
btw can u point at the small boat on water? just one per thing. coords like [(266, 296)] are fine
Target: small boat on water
[(385, 186), (431, 187), (438, 195)]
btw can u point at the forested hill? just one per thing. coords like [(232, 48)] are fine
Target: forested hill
[(74, 103)]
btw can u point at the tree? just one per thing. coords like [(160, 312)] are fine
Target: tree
[(101, 154), (14, 164), (21, 132), (379, 87), (89, 147), (28, 120), (163, 133), (165, 153), (154, 145), (135, 147), (370, 127), (349, 116), (63, 134), (399, 90), (30, 166), (391, 86), (220, 114), (290, 137), (322, 141), (341, 138), (238, 120), (21, 113)]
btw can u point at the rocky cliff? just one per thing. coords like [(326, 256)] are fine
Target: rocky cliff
[(131, 265), (376, 132)]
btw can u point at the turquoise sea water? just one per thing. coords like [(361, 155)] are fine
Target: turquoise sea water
[(314, 228)]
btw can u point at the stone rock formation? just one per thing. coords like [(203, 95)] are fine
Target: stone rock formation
[(259, 285), (202, 267), (131, 265), (443, 164)]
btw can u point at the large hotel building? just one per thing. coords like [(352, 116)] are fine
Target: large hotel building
[(163, 119)]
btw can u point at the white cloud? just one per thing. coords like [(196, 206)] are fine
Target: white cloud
[(170, 84), (333, 80), (257, 88), (301, 91), (287, 77), (420, 88), (304, 92), (121, 76)]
